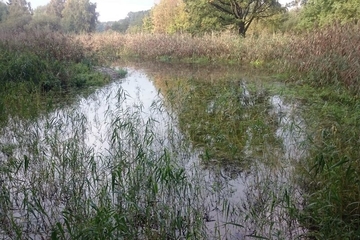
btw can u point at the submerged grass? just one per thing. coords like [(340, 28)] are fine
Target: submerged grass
[(55, 185), (330, 174), (327, 59)]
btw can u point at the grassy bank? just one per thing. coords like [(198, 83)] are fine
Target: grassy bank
[(38, 66)]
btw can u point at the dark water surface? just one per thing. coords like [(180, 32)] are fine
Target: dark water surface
[(237, 138)]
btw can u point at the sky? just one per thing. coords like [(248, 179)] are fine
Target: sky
[(114, 10)]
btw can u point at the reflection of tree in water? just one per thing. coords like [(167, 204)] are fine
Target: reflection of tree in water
[(240, 134), (222, 117)]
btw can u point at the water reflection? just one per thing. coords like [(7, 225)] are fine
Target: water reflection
[(236, 141), (248, 143)]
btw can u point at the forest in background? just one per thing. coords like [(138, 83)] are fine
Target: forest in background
[(183, 16)]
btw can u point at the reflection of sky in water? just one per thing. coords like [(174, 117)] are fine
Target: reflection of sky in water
[(223, 186), (291, 127)]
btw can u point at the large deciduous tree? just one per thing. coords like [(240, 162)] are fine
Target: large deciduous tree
[(202, 17), (244, 12), (79, 16)]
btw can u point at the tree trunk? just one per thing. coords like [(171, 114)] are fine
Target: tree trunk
[(242, 29)]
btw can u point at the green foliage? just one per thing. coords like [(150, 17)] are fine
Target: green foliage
[(55, 8), (17, 17), (139, 189), (325, 12), (21, 66), (79, 16), (147, 24), (332, 173), (202, 18), (120, 26), (132, 23), (72, 16), (169, 16), (244, 12), (42, 20), (122, 73)]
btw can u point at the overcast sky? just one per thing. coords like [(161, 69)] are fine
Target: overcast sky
[(114, 10)]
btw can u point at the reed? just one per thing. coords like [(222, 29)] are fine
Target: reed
[(327, 56), (54, 185), (49, 60)]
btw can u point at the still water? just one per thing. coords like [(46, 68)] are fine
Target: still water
[(237, 141)]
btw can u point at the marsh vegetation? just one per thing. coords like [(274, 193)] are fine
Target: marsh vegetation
[(174, 127), (172, 154)]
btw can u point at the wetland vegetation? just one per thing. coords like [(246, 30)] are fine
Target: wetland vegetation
[(180, 128)]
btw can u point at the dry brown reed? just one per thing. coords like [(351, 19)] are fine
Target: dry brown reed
[(45, 44), (153, 46), (324, 56), (327, 56)]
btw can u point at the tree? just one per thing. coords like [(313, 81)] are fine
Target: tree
[(18, 15), (55, 8), (120, 26), (324, 12), (169, 16), (202, 18), (79, 16), (244, 12), (136, 20), (42, 19)]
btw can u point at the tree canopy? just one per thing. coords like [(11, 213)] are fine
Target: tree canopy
[(67, 15), (79, 16), (244, 12), (132, 23), (197, 16), (324, 12), (169, 16), (17, 14)]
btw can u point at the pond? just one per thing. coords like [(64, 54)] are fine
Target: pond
[(169, 152)]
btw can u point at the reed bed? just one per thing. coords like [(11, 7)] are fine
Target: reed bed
[(321, 57), (329, 56), (46, 44), (45, 61), (155, 46)]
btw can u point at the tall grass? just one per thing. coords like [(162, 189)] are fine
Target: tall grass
[(328, 56), (156, 46), (332, 209), (49, 60)]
